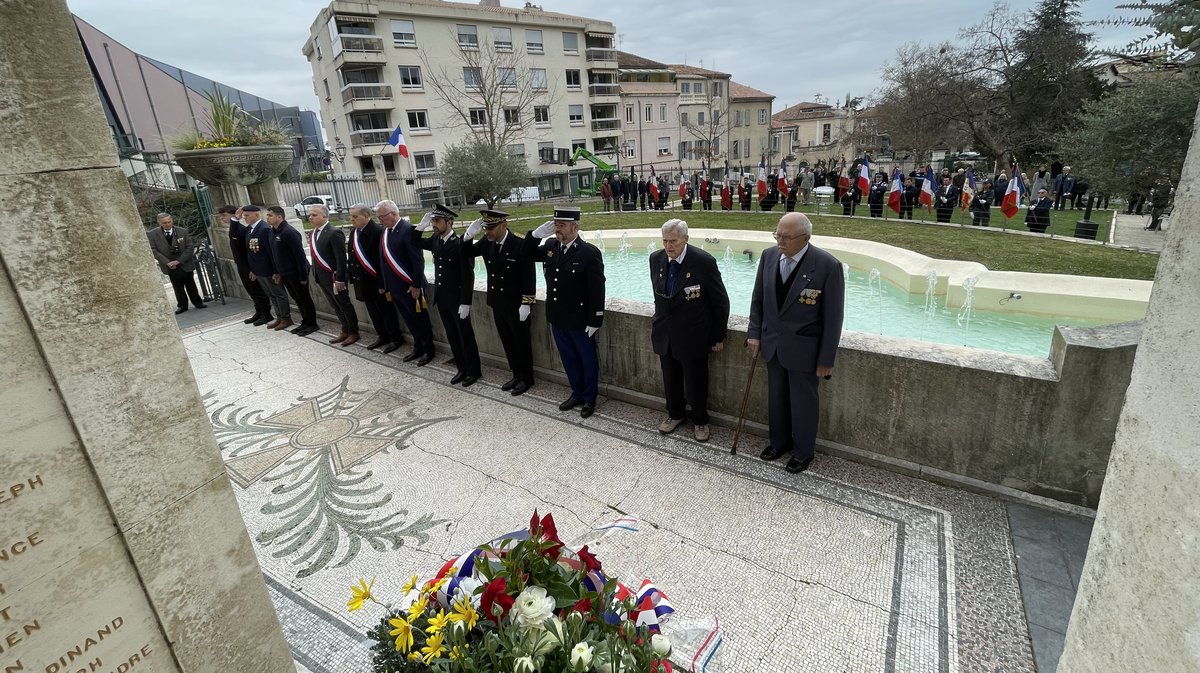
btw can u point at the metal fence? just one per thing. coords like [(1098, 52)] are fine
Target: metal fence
[(349, 189)]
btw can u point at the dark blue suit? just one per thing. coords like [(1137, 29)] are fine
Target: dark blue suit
[(291, 265), (261, 263), (400, 254), (237, 244)]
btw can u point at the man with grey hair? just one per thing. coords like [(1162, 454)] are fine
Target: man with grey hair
[(404, 279), (691, 313), (327, 245), (175, 252), (365, 267), (796, 323)]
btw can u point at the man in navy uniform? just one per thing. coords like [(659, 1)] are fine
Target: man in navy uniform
[(365, 264), (262, 266), (454, 280), (691, 312), (404, 279), (232, 218), (327, 245), (291, 269), (511, 287), (796, 323), (574, 272)]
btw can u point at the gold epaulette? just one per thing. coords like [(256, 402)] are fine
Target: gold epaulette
[(528, 299)]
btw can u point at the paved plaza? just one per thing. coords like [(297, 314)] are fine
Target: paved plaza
[(348, 463)]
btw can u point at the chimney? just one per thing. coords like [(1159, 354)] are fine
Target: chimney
[(489, 3)]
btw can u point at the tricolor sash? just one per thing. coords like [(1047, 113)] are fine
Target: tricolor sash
[(362, 256), (392, 262), (312, 246)]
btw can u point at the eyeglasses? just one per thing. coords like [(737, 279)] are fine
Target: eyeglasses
[(793, 237)]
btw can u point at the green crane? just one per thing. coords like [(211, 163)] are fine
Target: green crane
[(605, 170)]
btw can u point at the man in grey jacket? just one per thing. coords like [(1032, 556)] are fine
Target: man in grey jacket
[(796, 315), (174, 251)]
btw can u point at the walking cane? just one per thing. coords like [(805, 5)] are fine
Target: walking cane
[(737, 433)]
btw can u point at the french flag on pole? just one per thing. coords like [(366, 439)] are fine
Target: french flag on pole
[(896, 192), (864, 175), (1012, 197), (762, 177), (927, 188), (397, 140)]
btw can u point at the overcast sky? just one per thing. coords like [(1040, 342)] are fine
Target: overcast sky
[(795, 53)]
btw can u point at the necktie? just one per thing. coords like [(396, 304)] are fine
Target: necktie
[(170, 236), (785, 268), (672, 276)]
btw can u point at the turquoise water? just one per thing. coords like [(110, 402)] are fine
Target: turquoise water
[(871, 306)]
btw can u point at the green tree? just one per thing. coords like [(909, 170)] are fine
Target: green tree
[(480, 170), (1135, 137)]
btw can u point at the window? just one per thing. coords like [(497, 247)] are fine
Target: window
[(533, 41), (685, 87), (698, 88), (517, 150), (571, 43), (576, 144), (683, 119), (775, 143), (733, 148), (502, 39), (468, 36), (573, 80), (537, 79), (630, 149), (473, 78), (683, 148), (317, 47), (825, 129), (507, 77), (762, 115), (662, 112), (410, 78), (425, 162), (512, 116), (418, 120), (326, 83), (746, 149), (716, 89), (628, 114), (716, 146), (700, 118), (649, 113), (575, 115), (541, 115), (478, 117), (664, 145), (716, 117), (403, 34), (546, 151)]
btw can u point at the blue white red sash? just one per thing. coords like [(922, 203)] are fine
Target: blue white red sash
[(362, 256), (312, 246), (391, 260)]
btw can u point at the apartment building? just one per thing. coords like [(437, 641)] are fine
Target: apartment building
[(750, 129), (379, 64), (703, 116), (650, 116), (816, 131)]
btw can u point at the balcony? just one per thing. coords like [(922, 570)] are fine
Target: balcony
[(604, 89), (370, 137), (366, 91), (606, 124), (360, 49), (601, 56), (694, 99)]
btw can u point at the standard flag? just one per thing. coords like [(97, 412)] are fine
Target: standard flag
[(782, 183), (896, 192), (397, 140), (1012, 197), (864, 175), (652, 186), (968, 190), (726, 192), (927, 188), (762, 178)]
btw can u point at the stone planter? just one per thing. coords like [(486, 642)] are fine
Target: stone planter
[(243, 166)]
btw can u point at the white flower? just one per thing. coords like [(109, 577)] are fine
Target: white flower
[(581, 657), (558, 629), (610, 666), (523, 665), (533, 607), (662, 646)]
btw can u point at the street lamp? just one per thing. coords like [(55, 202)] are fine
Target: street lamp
[(340, 152)]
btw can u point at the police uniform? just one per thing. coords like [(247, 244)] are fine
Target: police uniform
[(511, 284), (454, 280), (574, 303), (981, 205)]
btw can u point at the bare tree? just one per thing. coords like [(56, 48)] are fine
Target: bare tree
[(911, 106), (493, 93), (707, 135)]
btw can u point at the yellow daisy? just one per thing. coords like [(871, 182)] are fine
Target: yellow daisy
[(433, 647), (432, 588), (417, 607), (464, 612), (403, 632), (359, 594), (414, 656), (437, 622), (409, 585), (458, 652)]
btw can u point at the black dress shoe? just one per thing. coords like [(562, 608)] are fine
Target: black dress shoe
[(425, 359), (180, 310), (587, 410), (392, 346), (469, 381), (458, 378), (796, 466), (263, 320), (201, 305), (412, 356), (376, 344), (771, 453), (570, 403), (512, 383), (253, 318), (520, 388)]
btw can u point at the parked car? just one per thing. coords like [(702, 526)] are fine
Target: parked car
[(317, 200)]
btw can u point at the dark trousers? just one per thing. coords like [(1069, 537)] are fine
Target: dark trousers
[(277, 295), (687, 205), (578, 353), (517, 342), (793, 410), (790, 204), (707, 205), (461, 336), (746, 205), (642, 201), (686, 382), (384, 318), (906, 212), (262, 303), (876, 209), (342, 306), (418, 322), (943, 214), (1061, 198), (981, 219), (300, 295), (184, 284)]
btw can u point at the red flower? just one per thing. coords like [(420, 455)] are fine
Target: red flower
[(590, 562), (583, 605), (533, 526), (494, 594), (545, 530)]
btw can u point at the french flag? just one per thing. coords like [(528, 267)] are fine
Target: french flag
[(896, 192), (762, 177), (927, 188), (864, 175), (652, 186), (397, 140), (968, 191), (1012, 197), (782, 183)]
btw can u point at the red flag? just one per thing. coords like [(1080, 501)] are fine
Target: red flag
[(653, 188), (927, 188), (1012, 198), (682, 188), (864, 175), (896, 192), (726, 197)]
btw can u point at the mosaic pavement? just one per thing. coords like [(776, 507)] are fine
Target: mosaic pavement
[(348, 464)]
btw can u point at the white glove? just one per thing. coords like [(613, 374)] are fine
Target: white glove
[(523, 312), (473, 229), (464, 310), (591, 331), (546, 230), (426, 222)]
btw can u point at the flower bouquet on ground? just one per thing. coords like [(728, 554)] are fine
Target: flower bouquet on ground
[(520, 606)]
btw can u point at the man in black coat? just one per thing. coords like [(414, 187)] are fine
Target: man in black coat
[(909, 198), (232, 218), (877, 195), (1064, 186), (946, 198), (1037, 218), (403, 276), (511, 292), (691, 313), (849, 200), (364, 265), (262, 266), (454, 288), (174, 251), (643, 190), (981, 205), (686, 194), (327, 246), (574, 271), (291, 269)]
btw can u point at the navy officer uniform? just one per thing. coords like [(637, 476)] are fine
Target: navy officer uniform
[(261, 265), (404, 269), (574, 271), (454, 288)]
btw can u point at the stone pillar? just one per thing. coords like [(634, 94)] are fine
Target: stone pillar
[(120, 531), (268, 193), (1138, 606)]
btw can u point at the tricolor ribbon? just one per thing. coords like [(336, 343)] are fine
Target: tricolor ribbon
[(707, 649), (362, 256), (396, 268), (651, 607), (312, 247)]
